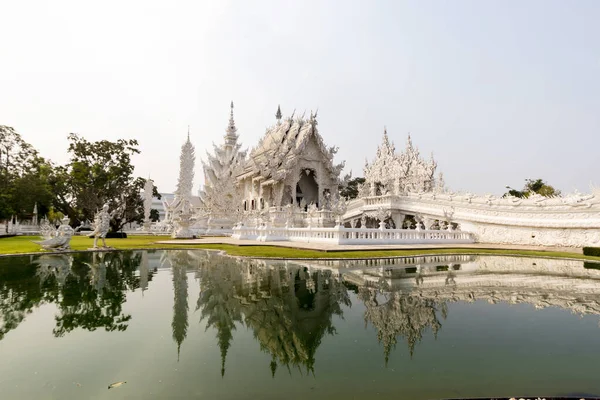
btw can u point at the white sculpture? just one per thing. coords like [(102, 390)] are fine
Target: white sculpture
[(182, 221), (148, 189), (59, 239), (102, 225)]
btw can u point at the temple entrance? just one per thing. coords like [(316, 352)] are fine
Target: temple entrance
[(307, 188)]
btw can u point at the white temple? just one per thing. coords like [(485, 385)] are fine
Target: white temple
[(287, 188)]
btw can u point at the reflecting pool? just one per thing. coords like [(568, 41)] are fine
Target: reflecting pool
[(195, 324)]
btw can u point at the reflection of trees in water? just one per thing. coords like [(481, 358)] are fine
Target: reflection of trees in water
[(289, 308), (21, 290), (396, 314), (89, 290), (93, 295)]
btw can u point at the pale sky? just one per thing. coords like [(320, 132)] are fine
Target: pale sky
[(500, 91)]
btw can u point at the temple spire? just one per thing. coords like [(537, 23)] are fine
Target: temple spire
[(278, 114), (231, 132), (186, 170)]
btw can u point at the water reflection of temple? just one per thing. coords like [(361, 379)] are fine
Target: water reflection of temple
[(288, 307), (406, 301)]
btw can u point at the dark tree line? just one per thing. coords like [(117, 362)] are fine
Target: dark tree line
[(97, 173)]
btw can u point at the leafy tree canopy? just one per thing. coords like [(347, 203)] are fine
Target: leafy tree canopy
[(98, 173), (533, 186), (351, 190), (24, 177)]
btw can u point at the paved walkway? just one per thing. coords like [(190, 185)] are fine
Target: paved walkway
[(346, 247)]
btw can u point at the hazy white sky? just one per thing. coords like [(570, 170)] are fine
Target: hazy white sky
[(500, 91)]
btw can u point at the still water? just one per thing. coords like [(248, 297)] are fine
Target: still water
[(194, 324)]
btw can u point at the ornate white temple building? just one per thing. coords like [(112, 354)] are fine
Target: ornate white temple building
[(287, 188), (289, 166)]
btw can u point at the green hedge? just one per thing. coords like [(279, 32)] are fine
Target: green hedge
[(591, 265), (591, 251)]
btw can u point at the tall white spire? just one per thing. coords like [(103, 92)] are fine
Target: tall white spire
[(231, 132), (187, 161)]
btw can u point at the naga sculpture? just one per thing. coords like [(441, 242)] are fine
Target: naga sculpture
[(59, 239)]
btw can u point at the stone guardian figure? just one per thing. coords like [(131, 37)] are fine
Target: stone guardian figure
[(102, 225)]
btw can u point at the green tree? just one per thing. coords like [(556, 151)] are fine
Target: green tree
[(24, 177), (54, 216), (351, 190), (98, 173), (533, 186), (154, 215)]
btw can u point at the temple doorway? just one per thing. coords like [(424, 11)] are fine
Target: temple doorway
[(307, 188)]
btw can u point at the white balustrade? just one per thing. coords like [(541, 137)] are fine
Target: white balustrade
[(341, 235)]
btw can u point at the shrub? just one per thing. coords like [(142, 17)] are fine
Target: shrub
[(116, 235), (591, 265), (591, 251)]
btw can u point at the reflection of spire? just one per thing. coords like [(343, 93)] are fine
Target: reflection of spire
[(288, 318), (144, 271), (180, 305), (225, 338), (218, 302), (273, 366)]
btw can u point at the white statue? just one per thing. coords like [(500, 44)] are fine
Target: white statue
[(148, 189), (102, 225), (60, 239)]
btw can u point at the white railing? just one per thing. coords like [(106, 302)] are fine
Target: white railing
[(341, 235)]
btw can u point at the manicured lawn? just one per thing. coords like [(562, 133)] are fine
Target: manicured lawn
[(24, 244)]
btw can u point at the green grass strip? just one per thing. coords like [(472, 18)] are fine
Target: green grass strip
[(24, 245)]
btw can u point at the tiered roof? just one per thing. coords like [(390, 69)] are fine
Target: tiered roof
[(282, 146)]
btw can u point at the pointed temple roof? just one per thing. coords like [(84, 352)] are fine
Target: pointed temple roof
[(283, 144)]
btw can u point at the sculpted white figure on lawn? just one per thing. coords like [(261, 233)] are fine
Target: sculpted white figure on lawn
[(60, 239), (102, 225)]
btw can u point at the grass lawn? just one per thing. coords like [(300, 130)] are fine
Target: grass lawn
[(24, 244)]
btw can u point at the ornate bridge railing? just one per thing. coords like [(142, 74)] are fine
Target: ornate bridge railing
[(341, 235)]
